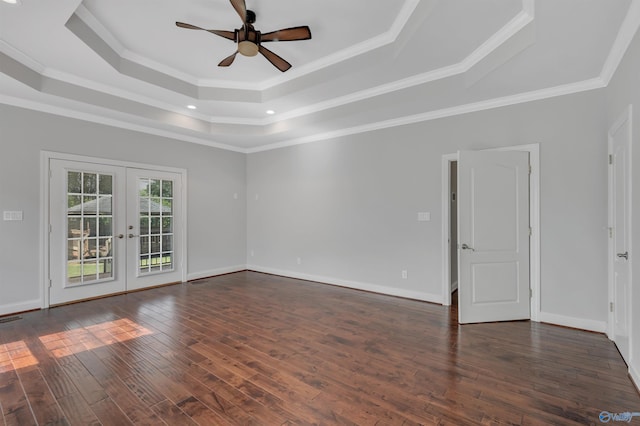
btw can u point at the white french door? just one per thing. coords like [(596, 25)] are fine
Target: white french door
[(493, 232), (620, 234), (112, 229), (153, 228)]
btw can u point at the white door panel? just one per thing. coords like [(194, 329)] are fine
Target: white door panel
[(493, 234), (86, 216), (154, 231), (620, 226)]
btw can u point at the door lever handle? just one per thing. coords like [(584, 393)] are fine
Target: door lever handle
[(624, 255), (133, 236), (466, 247)]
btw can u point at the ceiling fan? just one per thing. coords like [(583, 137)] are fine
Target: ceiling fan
[(250, 40)]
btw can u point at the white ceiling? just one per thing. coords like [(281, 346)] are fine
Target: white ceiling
[(370, 64)]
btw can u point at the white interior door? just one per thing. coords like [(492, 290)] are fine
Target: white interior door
[(493, 236), (113, 229), (87, 217), (619, 245)]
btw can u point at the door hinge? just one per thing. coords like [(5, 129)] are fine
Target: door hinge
[(610, 158), (530, 231), (610, 232), (610, 306), (530, 169), (530, 293), (50, 283)]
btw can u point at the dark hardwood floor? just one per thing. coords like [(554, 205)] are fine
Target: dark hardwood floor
[(250, 348)]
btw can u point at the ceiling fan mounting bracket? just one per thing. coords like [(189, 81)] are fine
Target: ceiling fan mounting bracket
[(251, 17)]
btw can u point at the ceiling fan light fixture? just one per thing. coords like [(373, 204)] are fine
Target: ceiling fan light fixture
[(270, 112), (192, 107), (248, 48)]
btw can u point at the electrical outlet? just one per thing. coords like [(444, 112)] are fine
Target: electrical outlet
[(404, 274)]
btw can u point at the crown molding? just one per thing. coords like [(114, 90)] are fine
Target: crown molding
[(624, 38), (21, 57), (113, 122), (517, 24), (567, 89)]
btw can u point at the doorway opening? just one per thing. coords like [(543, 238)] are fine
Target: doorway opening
[(453, 231)]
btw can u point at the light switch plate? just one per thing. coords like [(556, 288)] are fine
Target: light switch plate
[(12, 215), (424, 216)]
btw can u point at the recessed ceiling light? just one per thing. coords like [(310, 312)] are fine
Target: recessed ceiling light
[(192, 107), (270, 111), (12, 2)]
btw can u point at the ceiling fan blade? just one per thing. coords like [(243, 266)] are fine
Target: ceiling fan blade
[(276, 60), (241, 7), (231, 35), (226, 34), (188, 26), (288, 34), (228, 60)]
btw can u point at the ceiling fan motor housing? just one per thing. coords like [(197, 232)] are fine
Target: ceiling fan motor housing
[(248, 40)]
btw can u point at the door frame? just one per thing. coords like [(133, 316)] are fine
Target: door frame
[(45, 214), (626, 116), (534, 220)]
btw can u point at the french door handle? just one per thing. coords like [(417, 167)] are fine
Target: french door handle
[(624, 255), (466, 247), (133, 236)]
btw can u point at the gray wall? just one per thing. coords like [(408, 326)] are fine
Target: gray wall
[(621, 92), (216, 221), (348, 207)]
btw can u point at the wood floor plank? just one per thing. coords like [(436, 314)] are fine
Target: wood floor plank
[(172, 414), (108, 413), (76, 409), (15, 405), (43, 403), (257, 349)]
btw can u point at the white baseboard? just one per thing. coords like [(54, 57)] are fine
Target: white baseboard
[(374, 288), (20, 307), (581, 323), (213, 272), (635, 375)]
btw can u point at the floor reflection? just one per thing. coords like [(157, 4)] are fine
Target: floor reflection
[(15, 355), (70, 342)]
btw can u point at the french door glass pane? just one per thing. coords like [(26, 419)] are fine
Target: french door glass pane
[(155, 201), (89, 227)]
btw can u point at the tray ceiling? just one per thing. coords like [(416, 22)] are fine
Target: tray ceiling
[(368, 65)]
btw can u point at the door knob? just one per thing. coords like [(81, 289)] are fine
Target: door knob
[(624, 255), (466, 247), (120, 236)]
